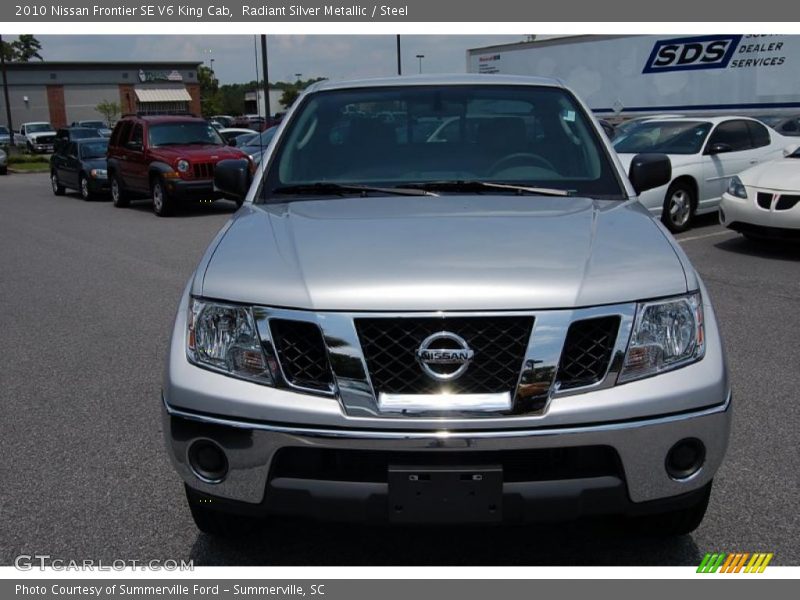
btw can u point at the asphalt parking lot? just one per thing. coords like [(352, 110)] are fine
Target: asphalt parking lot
[(87, 296)]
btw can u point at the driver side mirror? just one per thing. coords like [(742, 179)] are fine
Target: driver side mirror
[(232, 178), (135, 146), (232, 142), (719, 148), (649, 171)]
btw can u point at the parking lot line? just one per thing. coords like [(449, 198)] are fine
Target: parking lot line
[(707, 235)]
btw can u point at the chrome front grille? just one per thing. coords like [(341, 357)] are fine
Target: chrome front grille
[(528, 357), (390, 346)]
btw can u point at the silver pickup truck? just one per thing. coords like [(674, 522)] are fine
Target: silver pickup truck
[(441, 302)]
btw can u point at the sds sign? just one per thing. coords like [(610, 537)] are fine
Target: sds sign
[(679, 54)]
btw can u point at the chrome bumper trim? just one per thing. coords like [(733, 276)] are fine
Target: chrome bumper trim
[(444, 433)]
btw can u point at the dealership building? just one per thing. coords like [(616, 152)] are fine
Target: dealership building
[(63, 92)]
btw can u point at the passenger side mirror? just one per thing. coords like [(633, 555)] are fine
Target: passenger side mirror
[(232, 178), (719, 148), (649, 171), (790, 149)]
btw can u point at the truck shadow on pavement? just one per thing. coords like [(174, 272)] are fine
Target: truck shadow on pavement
[(584, 543), (188, 209)]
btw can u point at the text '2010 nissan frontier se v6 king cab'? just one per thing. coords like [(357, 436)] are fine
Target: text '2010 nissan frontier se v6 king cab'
[(442, 302)]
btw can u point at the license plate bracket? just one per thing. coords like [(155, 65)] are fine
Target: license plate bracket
[(445, 494)]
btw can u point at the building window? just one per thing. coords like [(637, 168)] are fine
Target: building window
[(52, 75), (124, 75)]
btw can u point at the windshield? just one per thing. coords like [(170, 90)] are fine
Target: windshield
[(183, 133), (95, 124), (90, 150), (38, 127), (82, 133), (669, 137), (535, 136)]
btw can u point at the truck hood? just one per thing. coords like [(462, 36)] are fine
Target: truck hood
[(40, 134), (441, 253), (782, 174)]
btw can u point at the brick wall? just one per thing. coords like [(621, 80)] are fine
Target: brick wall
[(56, 105), (127, 98), (194, 91)]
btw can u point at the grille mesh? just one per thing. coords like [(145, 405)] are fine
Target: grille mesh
[(301, 353), (390, 345), (587, 351)]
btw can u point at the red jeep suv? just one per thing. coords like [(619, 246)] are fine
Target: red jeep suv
[(168, 158)]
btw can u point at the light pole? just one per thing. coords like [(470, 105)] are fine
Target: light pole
[(420, 57), (399, 63)]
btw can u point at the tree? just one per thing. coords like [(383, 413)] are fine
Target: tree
[(210, 98), (289, 95), (109, 109), (23, 49)]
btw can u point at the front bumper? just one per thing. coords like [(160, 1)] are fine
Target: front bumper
[(183, 189), (255, 484), (744, 216), (99, 185)]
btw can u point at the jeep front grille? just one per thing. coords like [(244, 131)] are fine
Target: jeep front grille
[(390, 344), (587, 351), (302, 354), (203, 170)]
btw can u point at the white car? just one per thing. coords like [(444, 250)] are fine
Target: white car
[(229, 133), (705, 154), (38, 136), (3, 162), (764, 201)]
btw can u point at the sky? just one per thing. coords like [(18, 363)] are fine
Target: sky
[(331, 56)]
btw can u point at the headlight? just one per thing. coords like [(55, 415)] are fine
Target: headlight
[(667, 334), (99, 173), (223, 337), (182, 165), (736, 188)]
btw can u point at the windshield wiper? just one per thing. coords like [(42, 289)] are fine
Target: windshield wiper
[(344, 188), (477, 185)]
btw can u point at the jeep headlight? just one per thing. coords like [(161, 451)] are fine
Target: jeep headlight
[(224, 337), (182, 165), (667, 334), (99, 173), (736, 188)]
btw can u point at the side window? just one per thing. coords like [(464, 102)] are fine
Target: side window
[(72, 149), (122, 133), (733, 133), (138, 134), (759, 135)]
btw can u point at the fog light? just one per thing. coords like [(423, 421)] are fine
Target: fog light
[(685, 458), (208, 461)]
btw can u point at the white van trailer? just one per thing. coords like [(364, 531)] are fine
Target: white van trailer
[(631, 75)]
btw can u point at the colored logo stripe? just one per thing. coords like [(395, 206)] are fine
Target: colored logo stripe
[(734, 563)]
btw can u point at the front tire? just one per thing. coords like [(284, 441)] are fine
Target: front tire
[(679, 206), (676, 522), (58, 189), (118, 195), (215, 522), (83, 186), (163, 204)]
